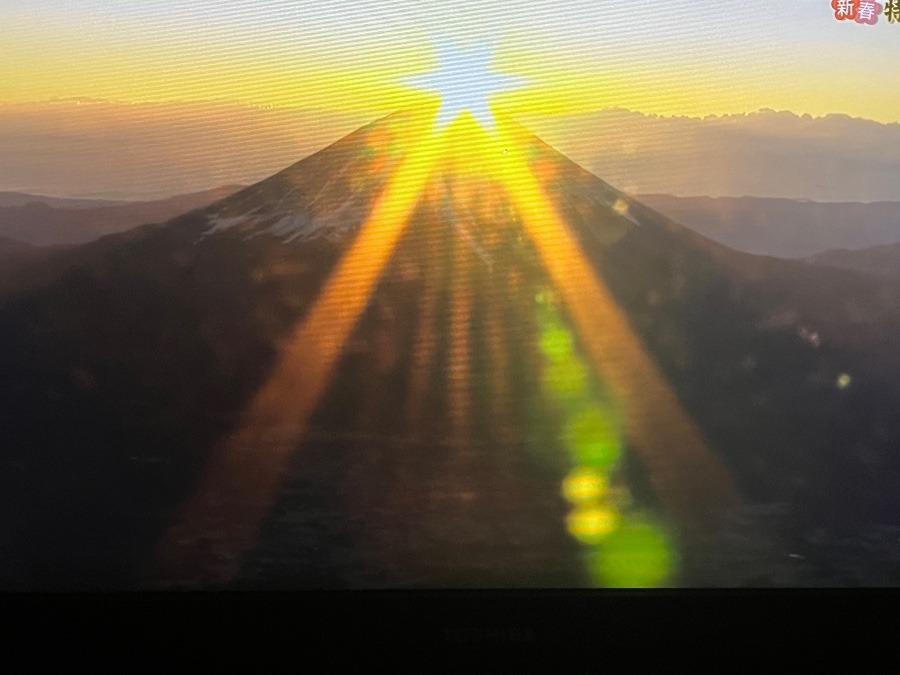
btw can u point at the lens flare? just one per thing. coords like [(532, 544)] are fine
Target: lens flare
[(584, 486), (637, 555), (591, 436), (567, 380), (592, 525), (556, 343)]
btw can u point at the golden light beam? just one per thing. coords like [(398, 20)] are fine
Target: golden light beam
[(425, 341), (459, 375), (498, 343), (221, 519), (689, 480)]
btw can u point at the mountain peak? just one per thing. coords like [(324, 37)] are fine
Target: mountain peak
[(329, 193)]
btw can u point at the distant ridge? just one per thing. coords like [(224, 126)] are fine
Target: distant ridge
[(784, 228), (882, 260), (24, 198), (50, 221)]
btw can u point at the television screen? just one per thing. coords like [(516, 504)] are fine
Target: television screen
[(457, 294)]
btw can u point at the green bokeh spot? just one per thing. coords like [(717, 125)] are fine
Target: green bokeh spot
[(567, 380), (591, 436), (557, 343), (637, 555)]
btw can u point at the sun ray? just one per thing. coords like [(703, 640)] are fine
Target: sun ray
[(458, 379), (498, 344), (239, 485), (425, 341)]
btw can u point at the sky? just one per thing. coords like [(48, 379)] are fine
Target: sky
[(196, 94), (654, 56)]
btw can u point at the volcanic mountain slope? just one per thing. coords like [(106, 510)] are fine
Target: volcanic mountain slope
[(433, 456)]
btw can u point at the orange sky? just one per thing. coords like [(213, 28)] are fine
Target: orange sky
[(656, 56), (230, 91)]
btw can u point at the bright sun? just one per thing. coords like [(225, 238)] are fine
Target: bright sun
[(465, 83)]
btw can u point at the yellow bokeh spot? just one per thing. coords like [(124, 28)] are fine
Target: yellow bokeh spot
[(843, 381), (584, 485), (592, 525), (621, 207), (591, 436), (637, 555)]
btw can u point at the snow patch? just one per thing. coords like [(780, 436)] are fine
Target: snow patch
[(291, 225)]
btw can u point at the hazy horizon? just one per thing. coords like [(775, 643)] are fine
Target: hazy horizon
[(105, 150)]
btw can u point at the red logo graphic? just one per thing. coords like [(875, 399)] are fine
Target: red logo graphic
[(868, 12), (845, 10)]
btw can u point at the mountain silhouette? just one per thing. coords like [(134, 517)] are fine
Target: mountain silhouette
[(883, 259), (785, 228), (48, 221), (431, 456)]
